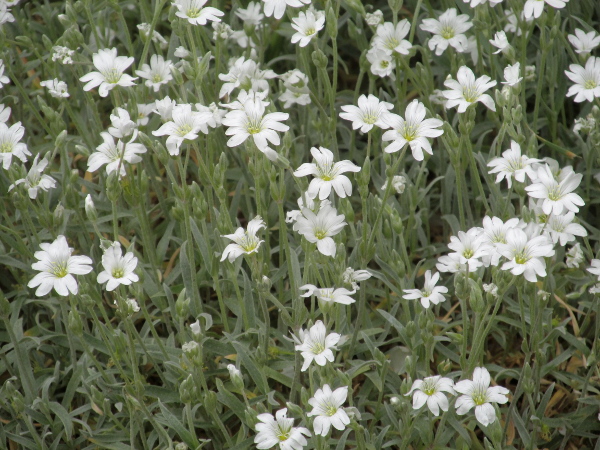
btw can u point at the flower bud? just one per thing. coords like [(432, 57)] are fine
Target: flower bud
[(236, 377), (58, 214), (331, 23), (319, 59), (90, 209), (181, 446), (75, 324), (188, 390)]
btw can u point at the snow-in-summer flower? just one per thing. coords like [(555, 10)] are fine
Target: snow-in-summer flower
[(317, 345), (431, 390), (157, 73), (512, 74), (451, 263), (398, 183), (5, 14), (251, 121), (144, 110), (57, 267), (448, 29), (62, 54), (369, 112), (35, 178), (118, 269), (276, 8), (10, 144), (390, 39), (557, 196), (280, 431), (534, 8), (429, 293), (468, 248), (327, 174), (584, 42), (247, 74), (215, 115), (525, 255), (296, 89), (575, 256), (513, 165), (415, 130), (474, 3), (375, 18), (252, 15), (185, 125), (478, 393), (195, 13), (586, 79), (3, 78), (328, 411), (319, 228), (468, 90), (114, 155), (307, 25), (382, 63), (156, 36), (500, 41), (122, 125), (493, 235), (56, 88), (244, 241), (328, 295), (561, 228), (351, 276), (4, 113), (110, 72)]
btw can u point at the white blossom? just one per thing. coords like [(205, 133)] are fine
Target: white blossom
[(468, 90), (118, 269), (328, 411), (35, 180), (430, 390), (110, 72), (479, 394), (244, 241)]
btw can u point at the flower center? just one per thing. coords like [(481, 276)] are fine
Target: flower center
[(590, 84), (447, 32), (425, 293), (330, 410), (59, 269), (554, 194), (370, 118), (325, 171), (542, 218), (310, 31), (392, 43), (320, 234), (384, 64), (317, 348), (468, 253), (118, 272), (184, 129), (157, 78), (410, 132), (522, 257), (112, 76), (6, 147), (429, 390), (479, 398), (254, 126), (283, 435), (248, 243), (470, 94), (192, 13)]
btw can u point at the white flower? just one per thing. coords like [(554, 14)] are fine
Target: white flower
[(318, 228), (3, 78), (351, 276), (62, 54), (184, 126), (57, 267), (584, 42), (491, 289), (429, 390), (479, 394), (296, 89), (112, 155), (587, 80), (246, 73), (194, 13), (316, 345), (595, 268), (474, 3), (118, 269), (156, 36), (110, 72), (251, 121), (513, 165), (5, 14), (414, 130), (561, 228), (291, 216), (245, 241), (144, 109), (10, 144), (534, 8), (307, 25), (594, 290), (500, 41), (451, 263), (181, 52), (370, 111), (391, 39), (328, 295), (57, 88), (512, 74), (468, 90), (157, 73), (448, 30), (574, 256), (252, 15), (494, 234), (375, 18), (525, 255), (557, 196), (279, 430), (429, 293), (469, 248), (276, 8), (327, 174), (4, 113), (327, 407), (35, 180), (382, 63), (195, 328), (164, 108), (398, 183), (215, 114), (584, 125), (122, 125)]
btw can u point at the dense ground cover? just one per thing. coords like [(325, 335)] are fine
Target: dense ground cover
[(299, 224)]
